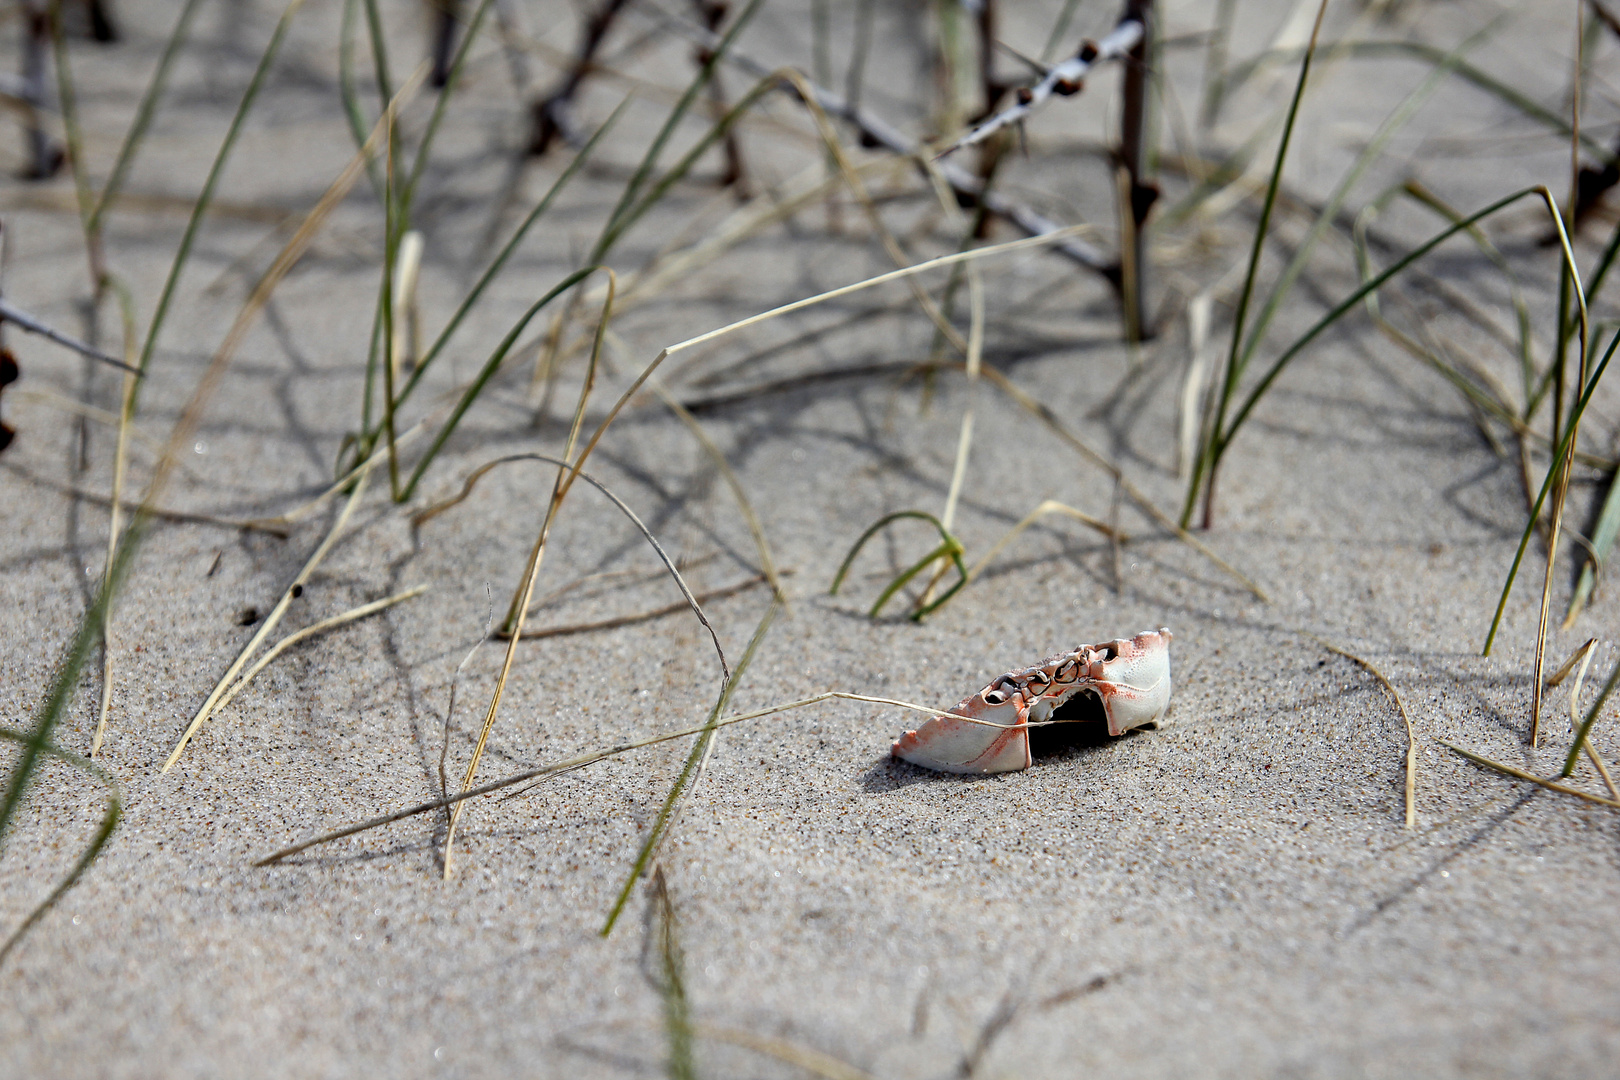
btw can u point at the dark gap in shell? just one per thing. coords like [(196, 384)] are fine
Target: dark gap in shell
[(1080, 723)]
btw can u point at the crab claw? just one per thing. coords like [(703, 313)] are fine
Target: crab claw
[(989, 732), (1132, 676), (1000, 743)]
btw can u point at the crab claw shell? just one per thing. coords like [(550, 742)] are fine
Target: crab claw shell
[(1134, 679), (954, 745), (1130, 676)]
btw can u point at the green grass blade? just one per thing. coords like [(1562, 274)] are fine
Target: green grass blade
[(1422, 51), (672, 985), (1521, 309), (629, 217), (109, 822), (1396, 120), (494, 268), (143, 115), (699, 751), (359, 126), (1603, 537), (379, 52), (1223, 438), (1546, 486), (949, 547), (425, 146), (1601, 270), (611, 231), (1208, 460), (205, 197), (486, 373)]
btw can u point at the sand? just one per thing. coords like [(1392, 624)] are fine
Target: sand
[(1234, 895)]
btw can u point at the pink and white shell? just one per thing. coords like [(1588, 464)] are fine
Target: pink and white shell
[(989, 732)]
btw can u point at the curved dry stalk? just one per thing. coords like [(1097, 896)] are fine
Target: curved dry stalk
[(1584, 731), (1047, 506), (624, 508), (332, 623), (1411, 739), (767, 563), (615, 623)]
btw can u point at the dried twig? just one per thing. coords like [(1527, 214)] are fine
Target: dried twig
[(879, 133), (1411, 739), (1066, 78), (12, 314), (548, 117)]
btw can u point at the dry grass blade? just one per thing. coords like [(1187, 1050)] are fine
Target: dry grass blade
[(293, 590), (1047, 507), (518, 612), (580, 761), (1411, 738), (624, 508), (1563, 466), (1583, 734), (284, 262), (352, 615), (60, 689), (802, 1057), (1581, 656), (1520, 774), (643, 616), (1584, 731), (1132, 492), (1565, 445)]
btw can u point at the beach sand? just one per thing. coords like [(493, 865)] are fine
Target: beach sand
[(1234, 895)]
